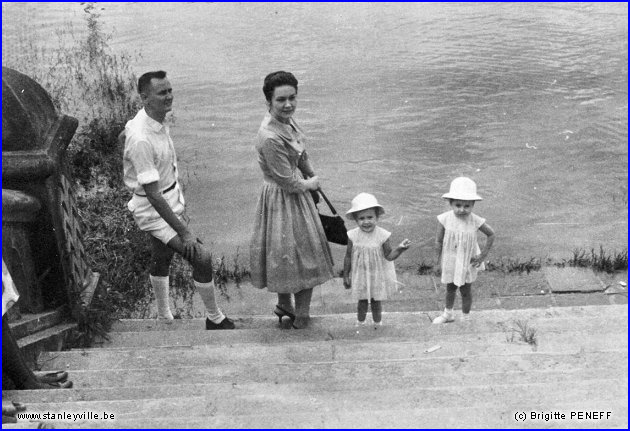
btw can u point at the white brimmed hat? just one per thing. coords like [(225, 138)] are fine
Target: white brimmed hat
[(363, 201), (463, 189)]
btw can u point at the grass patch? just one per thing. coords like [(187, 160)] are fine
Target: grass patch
[(425, 268), (523, 332), (510, 265), (182, 286), (598, 260), (602, 260)]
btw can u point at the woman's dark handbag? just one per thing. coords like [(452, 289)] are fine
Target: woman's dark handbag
[(333, 225)]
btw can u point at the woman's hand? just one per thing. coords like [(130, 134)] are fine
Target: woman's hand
[(312, 183)]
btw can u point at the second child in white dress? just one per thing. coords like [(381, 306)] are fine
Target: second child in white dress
[(368, 267), (457, 248)]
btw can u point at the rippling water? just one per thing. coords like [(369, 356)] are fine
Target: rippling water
[(530, 100)]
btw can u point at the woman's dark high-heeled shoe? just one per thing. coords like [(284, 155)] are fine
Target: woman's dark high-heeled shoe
[(281, 312)]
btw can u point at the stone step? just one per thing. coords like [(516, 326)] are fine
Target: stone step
[(336, 375), (302, 350), (49, 339), (435, 373), (561, 316), (493, 289), (292, 371), (328, 329), (452, 416), (282, 398), (29, 324)]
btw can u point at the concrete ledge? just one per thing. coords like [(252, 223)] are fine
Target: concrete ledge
[(29, 324)]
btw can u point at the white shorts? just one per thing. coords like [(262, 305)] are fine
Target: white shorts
[(164, 234), (148, 219)]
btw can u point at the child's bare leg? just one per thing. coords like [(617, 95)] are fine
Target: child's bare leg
[(466, 292), (362, 307), (451, 291), (377, 310), (447, 316)]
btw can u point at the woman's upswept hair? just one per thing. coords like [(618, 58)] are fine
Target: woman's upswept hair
[(278, 79)]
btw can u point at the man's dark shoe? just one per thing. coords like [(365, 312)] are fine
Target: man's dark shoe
[(224, 324)]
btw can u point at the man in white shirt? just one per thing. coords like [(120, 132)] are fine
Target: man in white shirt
[(157, 205)]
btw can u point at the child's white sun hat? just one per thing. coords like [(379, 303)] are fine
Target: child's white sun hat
[(363, 201), (463, 189)]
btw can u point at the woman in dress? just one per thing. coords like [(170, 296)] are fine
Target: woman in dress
[(289, 253)]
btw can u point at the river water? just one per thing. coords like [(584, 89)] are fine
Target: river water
[(397, 99)]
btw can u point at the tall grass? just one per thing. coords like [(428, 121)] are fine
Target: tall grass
[(89, 81)]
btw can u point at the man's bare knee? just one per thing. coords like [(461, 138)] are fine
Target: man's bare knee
[(203, 260)]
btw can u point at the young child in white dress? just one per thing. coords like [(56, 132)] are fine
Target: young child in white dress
[(368, 267), (457, 248)]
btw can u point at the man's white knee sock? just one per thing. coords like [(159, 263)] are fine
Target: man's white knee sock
[(160, 289), (206, 291)]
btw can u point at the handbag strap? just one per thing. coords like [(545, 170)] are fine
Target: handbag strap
[(332, 208)]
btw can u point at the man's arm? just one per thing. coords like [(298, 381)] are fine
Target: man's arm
[(155, 197)]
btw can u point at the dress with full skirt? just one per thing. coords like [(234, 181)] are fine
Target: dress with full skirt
[(288, 250)]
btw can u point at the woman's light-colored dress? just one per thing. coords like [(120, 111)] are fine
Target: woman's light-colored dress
[(459, 246), (372, 276), (288, 250)]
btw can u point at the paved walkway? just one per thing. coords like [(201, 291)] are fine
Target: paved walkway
[(549, 287)]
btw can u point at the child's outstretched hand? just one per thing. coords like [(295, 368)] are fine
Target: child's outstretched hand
[(477, 260), (404, 245)]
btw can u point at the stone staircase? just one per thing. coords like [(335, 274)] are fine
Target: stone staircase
[(407, 373), (46, 331)]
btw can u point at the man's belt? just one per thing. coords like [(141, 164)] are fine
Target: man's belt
[(166, 190)]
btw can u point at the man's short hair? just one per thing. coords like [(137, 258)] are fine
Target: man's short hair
[(145, 80)]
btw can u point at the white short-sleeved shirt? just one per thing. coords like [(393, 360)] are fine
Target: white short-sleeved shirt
[(459, 246), (149, 154)]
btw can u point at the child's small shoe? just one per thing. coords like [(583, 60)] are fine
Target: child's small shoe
[(378, 324), (444, 318), (360, 323), (466, 317)]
